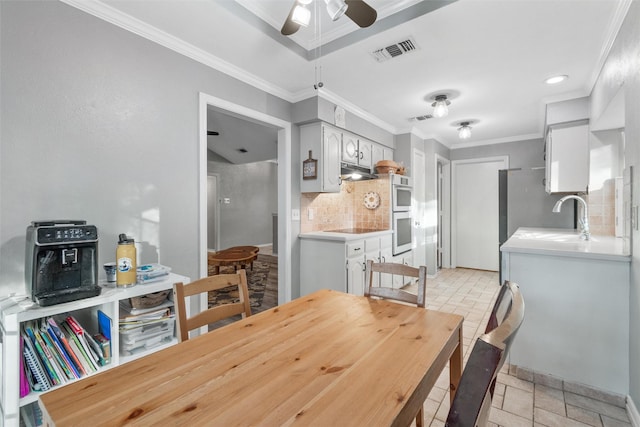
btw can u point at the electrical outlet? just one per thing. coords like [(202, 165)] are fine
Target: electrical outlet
[(310, 214), (226, 200)]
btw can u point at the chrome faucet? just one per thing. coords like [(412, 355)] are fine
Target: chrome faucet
[(584, 222)]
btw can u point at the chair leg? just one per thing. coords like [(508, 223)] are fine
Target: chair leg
[(420, 418)]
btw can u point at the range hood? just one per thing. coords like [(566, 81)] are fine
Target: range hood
[(351, 172)]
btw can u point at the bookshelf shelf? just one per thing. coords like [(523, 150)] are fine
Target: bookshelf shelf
[(14, 313)]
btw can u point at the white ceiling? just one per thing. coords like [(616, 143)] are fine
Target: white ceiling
[(490, 56)]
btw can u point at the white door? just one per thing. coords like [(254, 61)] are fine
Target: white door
[(475, 210), (418, 208)]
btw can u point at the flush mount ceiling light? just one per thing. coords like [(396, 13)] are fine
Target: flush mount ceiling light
[(440, 106), (464, 131), (301, 15), (336, 8), (556, 79)]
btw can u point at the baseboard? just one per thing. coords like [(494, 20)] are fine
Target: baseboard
[(632, 411)]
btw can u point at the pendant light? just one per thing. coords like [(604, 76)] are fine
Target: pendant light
[(464, 131), (440, 106)]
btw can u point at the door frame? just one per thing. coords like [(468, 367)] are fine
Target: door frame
[(216, 222), (454, 190), (285, 243), (446, 209)]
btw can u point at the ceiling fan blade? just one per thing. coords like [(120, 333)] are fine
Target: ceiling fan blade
[(289, 27), (361, 13)]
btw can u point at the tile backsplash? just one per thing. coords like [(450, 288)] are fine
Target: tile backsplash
[(346, 209), (602, 215)]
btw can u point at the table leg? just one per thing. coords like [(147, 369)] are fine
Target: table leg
[(455, 367)]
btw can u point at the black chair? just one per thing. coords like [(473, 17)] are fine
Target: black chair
[(472, 401)]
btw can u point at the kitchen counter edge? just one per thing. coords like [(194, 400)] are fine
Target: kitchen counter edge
[(606, 248), (342, 237)]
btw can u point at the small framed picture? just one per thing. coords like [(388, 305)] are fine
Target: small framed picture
[(310, 168)]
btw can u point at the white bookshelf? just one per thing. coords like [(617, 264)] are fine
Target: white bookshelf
[(14, 312)]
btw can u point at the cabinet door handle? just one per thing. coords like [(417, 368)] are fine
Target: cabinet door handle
[(361, 155)]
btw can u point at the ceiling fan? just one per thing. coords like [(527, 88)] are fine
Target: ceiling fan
[(357, 10)]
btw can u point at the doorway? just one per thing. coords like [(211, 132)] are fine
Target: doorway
[(475, 233), (284, 188), (443, 208)]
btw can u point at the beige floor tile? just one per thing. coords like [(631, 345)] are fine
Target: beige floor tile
[(515, 382), (518, 402), (551, 419), (610, 422), (504, 418), (549, 399), (584, 415), (602, 408)]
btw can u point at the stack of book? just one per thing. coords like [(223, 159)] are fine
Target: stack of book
[(148, 273), (58, 351)]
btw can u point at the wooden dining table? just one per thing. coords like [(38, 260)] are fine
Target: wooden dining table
[(325, 359)]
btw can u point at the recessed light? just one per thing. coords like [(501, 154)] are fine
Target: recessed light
[(556, 79)]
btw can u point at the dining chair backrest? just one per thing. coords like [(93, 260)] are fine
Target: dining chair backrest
[(385, 292), (472, 400), (373, 289), (213, 314)]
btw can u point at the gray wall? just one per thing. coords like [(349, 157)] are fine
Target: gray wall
[(621, 72), (101, 124), (253, 192)]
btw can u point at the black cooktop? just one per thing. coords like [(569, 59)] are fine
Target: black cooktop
[(354, 230)]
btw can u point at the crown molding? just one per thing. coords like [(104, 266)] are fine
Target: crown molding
[(113, 16), (614, 29)]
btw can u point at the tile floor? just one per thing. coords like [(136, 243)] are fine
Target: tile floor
[(517, 402)]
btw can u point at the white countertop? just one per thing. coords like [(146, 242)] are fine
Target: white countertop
[(566, 242), (343, 237)]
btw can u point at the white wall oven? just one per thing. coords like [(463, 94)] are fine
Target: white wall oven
[(401, 221), (401, 193), (402, 232)]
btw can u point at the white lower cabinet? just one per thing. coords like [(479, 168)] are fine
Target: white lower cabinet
[(14, 314), (405, 258), (339, 264)]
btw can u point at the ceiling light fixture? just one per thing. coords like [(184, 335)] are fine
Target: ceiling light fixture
[(336, 8), (301, 15), (556, 79), (440, 106), (464, 131)]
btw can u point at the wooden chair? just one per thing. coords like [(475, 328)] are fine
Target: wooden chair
[(472, 401), (219, 312), (371, 290)]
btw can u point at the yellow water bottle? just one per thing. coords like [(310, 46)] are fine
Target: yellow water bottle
[(126, 261)]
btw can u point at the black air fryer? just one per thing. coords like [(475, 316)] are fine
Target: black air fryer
[(61, 261)]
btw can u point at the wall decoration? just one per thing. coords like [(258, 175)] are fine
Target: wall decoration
[(371, 200), (310, 168)]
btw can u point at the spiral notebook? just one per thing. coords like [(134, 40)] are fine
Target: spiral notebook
[(25, 388), (35, 368)]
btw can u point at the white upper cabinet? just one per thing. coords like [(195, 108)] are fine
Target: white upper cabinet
[(567, 158), (356, 150), (325, 144)]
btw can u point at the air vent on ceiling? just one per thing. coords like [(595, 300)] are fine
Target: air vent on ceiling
[(400, 48), (421, 118)]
